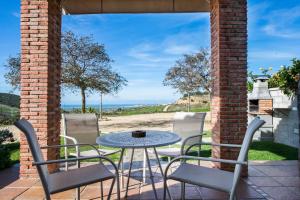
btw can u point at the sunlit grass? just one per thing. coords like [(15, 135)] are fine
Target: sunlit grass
[(258, 151)]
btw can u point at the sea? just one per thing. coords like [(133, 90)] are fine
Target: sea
[(105, 107)]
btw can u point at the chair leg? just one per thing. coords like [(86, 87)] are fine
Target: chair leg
[(78, 193), (101, 186), (118, 188), (48, 197), (165, 188), (111, 188), (129, 173), (233, 197), (182, 191)]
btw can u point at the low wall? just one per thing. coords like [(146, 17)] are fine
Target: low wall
[(285, 118)]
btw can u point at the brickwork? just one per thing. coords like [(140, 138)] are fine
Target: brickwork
[(40, 76), (265, 106), (229, 71)]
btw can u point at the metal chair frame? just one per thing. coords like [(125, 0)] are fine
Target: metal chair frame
[(242, 160), (41, 164)]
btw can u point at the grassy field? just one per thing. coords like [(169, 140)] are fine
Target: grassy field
[(258, 151), (8, 114), (135, 111), (10, 99), (8, 109), (194, 108), (155, 109)]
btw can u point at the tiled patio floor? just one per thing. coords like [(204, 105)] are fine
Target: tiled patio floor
[(267, 180)]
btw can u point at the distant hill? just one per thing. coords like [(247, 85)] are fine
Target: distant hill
[(195, 100), (11, 100)]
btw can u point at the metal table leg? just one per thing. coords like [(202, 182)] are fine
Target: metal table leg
[(151, 175), (129, 173), (144, 168), (161, 170), (120, 164)]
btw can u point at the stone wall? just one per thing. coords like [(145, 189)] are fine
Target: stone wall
[(285, 119)]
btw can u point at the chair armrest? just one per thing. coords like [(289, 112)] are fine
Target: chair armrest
[(71, 145), (69, 160), (210, 159), (222, 145), (69, 138), (203, 158), (77, 159)]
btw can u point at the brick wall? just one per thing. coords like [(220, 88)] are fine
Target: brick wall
[(265, 106), (40, 76), (229, 71)]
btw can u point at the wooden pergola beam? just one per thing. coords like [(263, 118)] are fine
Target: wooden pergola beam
[(134, 6)]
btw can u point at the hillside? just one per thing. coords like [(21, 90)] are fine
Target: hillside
[(9, 108), (11, 100), (203, 100)]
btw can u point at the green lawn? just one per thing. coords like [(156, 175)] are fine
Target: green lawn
[(258, 151), (14, 149), (264, 151)]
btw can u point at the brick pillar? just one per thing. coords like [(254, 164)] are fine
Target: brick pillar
[(229, 71), (40, 76)]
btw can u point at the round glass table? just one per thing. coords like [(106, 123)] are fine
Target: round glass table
[(153, 139)]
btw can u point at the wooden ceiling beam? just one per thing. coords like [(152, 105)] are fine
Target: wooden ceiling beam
[(134, 6)]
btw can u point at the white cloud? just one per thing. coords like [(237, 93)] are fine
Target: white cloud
[(180, 49), (171, 47), (283, 23), (270, 55), (277, 31), (148, 52), (16, 14)]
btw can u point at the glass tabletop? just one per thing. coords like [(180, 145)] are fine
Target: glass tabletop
[(125, 140)]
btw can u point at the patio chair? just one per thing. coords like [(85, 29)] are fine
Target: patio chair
[(65, 180), (82, 128), (189, 126), (210, 177)]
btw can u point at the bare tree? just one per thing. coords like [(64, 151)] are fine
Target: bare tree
[(190, 74)]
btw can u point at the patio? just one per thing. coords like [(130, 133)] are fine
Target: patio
[(266, 180), (40, 97)]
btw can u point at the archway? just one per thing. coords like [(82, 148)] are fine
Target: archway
[(40, 64)]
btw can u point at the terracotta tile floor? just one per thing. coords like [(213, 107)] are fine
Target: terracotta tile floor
[(278, 180)]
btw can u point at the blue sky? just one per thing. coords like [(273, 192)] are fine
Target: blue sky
[(144, 46)]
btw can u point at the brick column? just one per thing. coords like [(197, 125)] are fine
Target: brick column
[(40, 76), (229, 71)]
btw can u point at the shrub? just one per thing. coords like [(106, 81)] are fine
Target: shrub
[(288, 78), (5, 136), (8, 120)]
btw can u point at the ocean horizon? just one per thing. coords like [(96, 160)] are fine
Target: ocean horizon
[(105, 107)]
